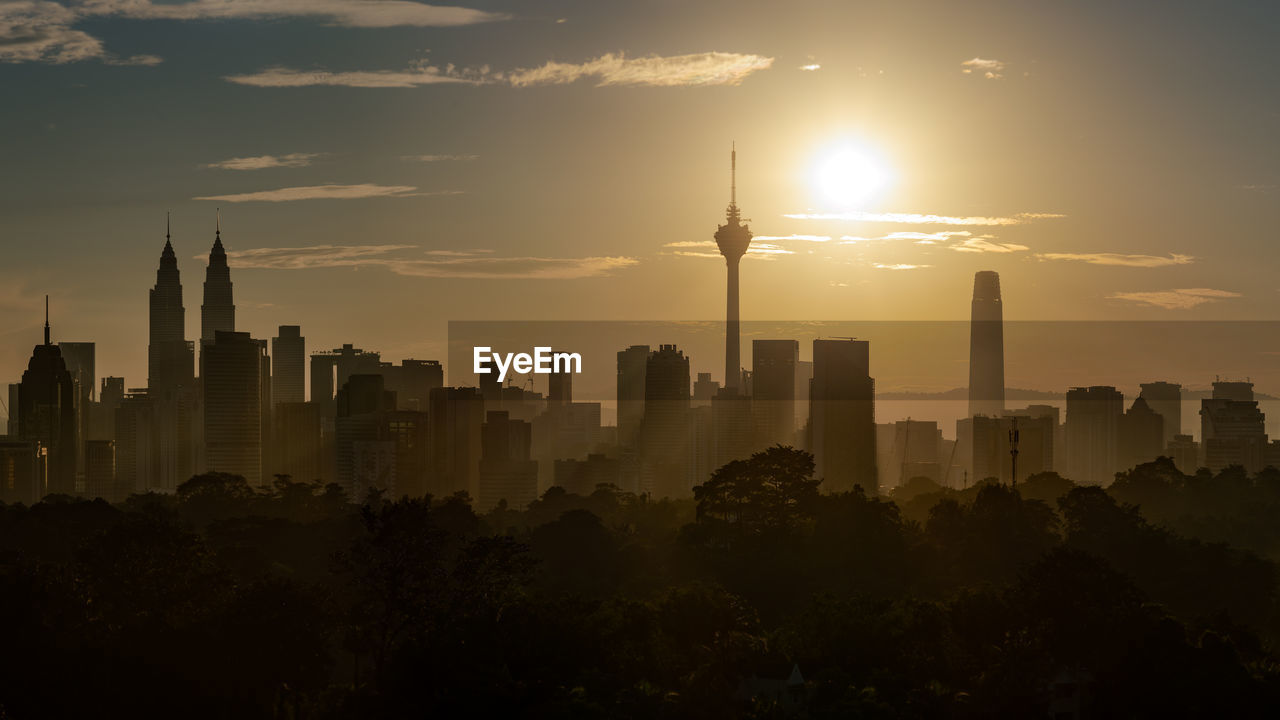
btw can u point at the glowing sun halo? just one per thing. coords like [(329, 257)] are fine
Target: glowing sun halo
[(849, 176)]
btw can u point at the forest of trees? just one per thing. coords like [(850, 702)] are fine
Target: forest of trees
[(761, 597)]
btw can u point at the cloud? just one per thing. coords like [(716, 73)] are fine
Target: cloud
[(899, 266), (325, 192), (1180, 299), (810, 67), (280, 77), (990, 69), (1141, 261), (474, 264), (44, 31), (438, 158), (708, 68), (262, 162), (805, 238), (924, 219), (979, 245), (700, 69)]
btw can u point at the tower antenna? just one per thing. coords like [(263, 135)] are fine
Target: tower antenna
[(46, 319), (166, 224), (733, 173), (217, 232)]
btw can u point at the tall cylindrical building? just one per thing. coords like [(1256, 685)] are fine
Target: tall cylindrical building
[(986, 346)]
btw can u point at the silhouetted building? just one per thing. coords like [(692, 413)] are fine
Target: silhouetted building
[(560, 387), (137, 460), (1166, 399), (47, 415), (110, 394), (412, 381), (704, 389), (916, 448), (100, 470), (506, 470), (1092, 434), (170, 357), (993, 443), (1232, 428), (1185, 452), (632, 364), (733, 238), (408, 433), (288, 365), (565, 430), (986, 346), (842, 416), (296, 449), (665, 459), (582, 477), (233, 397), (361, 406), (20, 480), (11, 429), (1141, 435), (80, 360), (773, 390), (331, 370), (456, 414), (218, 313), (733, 429)]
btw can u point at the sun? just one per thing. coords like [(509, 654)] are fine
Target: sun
[(849, 175)]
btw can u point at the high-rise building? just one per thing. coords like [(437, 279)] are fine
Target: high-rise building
[(506, 470), (1166, 399), (413, 380), (916, 450), (408, 433), (560, 387), (20, 480), (100, 470), (842, 425), (665, 458), (773, 396), (1185, 452), (632, 364), (704, 389), (986, 346), (233, 395), (296, 449), (170, 358), (361, 407), (218, 313), (331, 369), (1233, 428), (1092, 434), (1140, 435), (456, 415), (11, 428), (733, 238), (134, 428), (47, 414), (80, 360), (288, 365)]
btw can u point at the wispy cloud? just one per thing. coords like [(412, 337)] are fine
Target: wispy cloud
[(698, 69), (924, 219), (326, 192), (45, 31), (783, 238), (811, 67), (899, 266), (1180, 299), (263, 162), (1140, 261), (468, 264), (438, 158), (990, 69), (980, 245), (694, 248)]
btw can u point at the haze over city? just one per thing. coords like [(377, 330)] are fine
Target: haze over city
[(385, 167)]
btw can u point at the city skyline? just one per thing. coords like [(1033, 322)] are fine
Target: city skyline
[(996, 120)]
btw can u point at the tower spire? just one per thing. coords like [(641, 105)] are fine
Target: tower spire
[(46, 319), (217, 228), (733, 174), (166, 226)]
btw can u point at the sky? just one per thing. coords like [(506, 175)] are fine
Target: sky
[(384, 166)]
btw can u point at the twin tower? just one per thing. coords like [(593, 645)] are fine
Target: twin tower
[(170, 358)]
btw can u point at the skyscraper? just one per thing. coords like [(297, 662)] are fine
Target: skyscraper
[(170, 358), (1140, 435), (665, 460), (46, 414), (288, 365), (1166, 399), (630, 384), (456, 416), (733, 239), (842, 426), (986, 346), (773, 396), (218, 313), (1092, 433), (1233, 428), (233, 392), (506, 470)]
